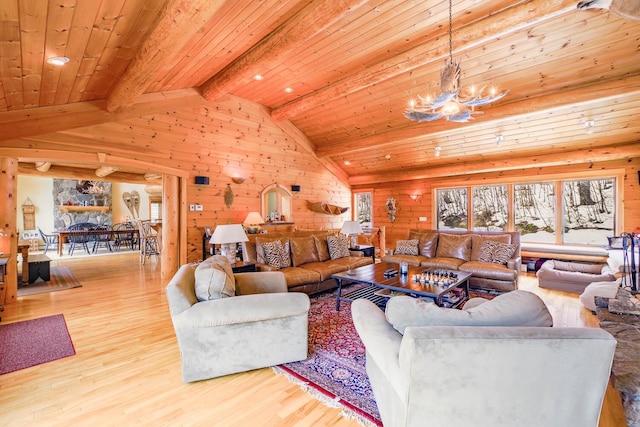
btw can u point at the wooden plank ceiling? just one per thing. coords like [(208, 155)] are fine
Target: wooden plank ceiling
[(352, 65)]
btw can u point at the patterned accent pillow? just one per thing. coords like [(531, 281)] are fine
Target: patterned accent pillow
[(496, 253), (338, 247), (275, 255), (407, 247)]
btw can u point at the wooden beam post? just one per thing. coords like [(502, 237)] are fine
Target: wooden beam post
[(8, 215), (171, 245)]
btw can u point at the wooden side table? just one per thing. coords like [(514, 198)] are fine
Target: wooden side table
[(241, 267), (367, 250)]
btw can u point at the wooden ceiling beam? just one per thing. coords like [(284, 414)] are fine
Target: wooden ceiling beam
[(67, 172), (533, 160), (32, 155), (179, 20), (314, 18), (42, 120), (577, 96), (478, 33)]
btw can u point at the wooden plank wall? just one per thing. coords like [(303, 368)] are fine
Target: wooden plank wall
[(408, 210), (237, 139)]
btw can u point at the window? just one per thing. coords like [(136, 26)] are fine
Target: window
[(490, 208), (155, 208), (587, 214), (363, 202), (535, 211), (585, 208), (452, 209)]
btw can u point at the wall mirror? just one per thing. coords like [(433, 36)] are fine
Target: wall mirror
[(276, 204)]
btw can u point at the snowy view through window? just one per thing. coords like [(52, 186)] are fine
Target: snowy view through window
[(588, 210)]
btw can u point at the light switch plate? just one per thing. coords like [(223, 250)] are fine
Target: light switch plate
[(199, 207), (192, 208), (422, 218)]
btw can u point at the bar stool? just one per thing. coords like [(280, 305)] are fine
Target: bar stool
[(148, 241)]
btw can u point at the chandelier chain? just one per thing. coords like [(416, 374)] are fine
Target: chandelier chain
[(450, 31)]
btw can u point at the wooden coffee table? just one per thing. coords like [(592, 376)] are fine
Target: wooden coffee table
[(381, 287)]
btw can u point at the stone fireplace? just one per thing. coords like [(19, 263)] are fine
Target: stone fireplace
[(81, 201)]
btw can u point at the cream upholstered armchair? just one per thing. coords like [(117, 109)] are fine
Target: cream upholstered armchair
[(227, 323), (482, 376)]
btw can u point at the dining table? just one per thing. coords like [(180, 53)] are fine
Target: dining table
[(63, 235)]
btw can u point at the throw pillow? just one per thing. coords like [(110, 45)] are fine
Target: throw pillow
[(515, 308), (454, 246), (338, 247), (478, 239), (322, 248), (303, 250), (407, 247), (496, 253), (214, 279), (264, 239), (274, 254)]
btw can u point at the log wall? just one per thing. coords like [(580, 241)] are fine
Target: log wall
[(409, 211)]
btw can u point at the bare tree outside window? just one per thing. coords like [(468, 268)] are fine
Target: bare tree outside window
[(588, 211), (453, 213), (535, 211), (363, 205), (490, 208)]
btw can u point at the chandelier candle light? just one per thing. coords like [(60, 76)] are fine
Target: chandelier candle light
[(227, 236), (452, 103)]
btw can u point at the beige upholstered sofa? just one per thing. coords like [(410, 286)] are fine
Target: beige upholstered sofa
[(461, 368), (572, 276), (311, 264), (490, 268), (228, 323)]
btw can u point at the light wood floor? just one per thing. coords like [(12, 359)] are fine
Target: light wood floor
[(127, 367)]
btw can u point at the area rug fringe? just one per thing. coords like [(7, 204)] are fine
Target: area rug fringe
[(324, 396)]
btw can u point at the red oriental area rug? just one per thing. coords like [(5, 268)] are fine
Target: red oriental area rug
[(335, 370), (33, 342)]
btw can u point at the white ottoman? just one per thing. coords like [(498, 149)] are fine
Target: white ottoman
[(598, 289)]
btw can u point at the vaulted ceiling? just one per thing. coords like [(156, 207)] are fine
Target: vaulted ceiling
[(352, 67)]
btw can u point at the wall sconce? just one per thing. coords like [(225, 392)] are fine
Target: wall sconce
[(414, 197), (237, 179)]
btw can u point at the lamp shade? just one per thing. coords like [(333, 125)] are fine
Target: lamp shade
[(351, 227), (253, 218), (228, 233)]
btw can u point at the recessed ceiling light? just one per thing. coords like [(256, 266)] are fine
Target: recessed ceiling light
[(288, 90), (347, 162), (58, 60), (388, 157), (258, 77)]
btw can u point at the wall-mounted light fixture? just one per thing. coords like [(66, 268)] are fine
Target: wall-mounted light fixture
[(237, 179), (414, 197)]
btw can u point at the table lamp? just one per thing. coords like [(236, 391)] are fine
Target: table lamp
[(351, 229), (253, 222), (227, 235)]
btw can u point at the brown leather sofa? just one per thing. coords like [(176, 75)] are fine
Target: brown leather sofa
[(311, 265), (464, 251)]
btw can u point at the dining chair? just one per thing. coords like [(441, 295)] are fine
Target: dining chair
[(148, 241), (79, 235), (102, 238), (49, 240), (124, 235)]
